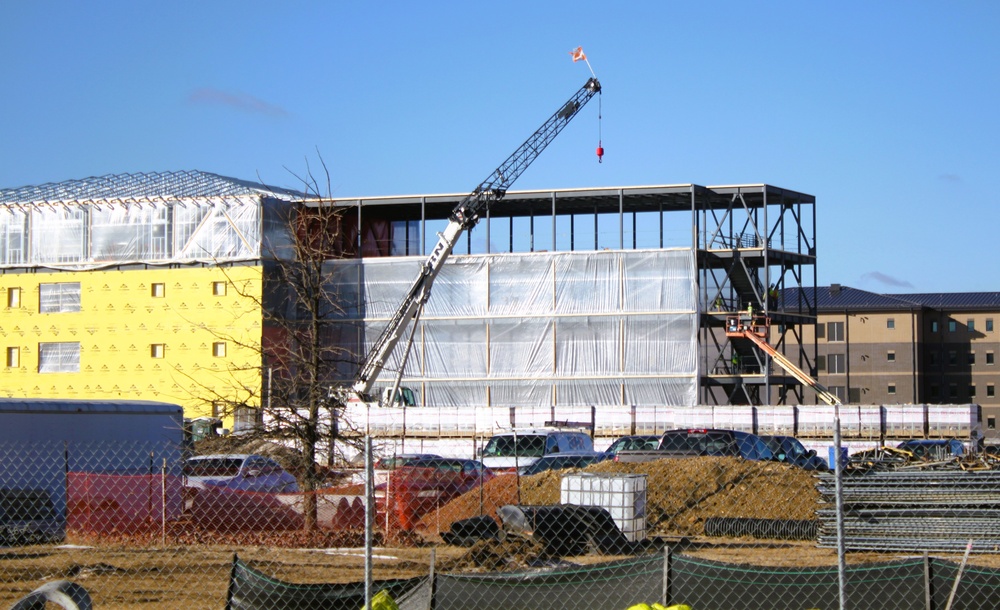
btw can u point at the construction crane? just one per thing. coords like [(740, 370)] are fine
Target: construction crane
[(463, 217), (757, 328)]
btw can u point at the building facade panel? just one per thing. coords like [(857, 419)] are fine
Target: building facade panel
[(142, 334)]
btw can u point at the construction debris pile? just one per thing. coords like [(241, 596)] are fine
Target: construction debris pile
[(882, 459)]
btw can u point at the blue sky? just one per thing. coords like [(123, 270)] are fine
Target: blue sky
[(886, 111)]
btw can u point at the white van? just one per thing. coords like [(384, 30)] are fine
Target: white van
[(520, 448)]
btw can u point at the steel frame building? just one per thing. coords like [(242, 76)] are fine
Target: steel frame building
[(750, 242)]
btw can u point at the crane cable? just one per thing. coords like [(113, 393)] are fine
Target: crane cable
[(600, 145)]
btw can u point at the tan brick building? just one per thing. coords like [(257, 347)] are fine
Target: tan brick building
[(936, 348)]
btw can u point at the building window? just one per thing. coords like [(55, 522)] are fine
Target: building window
[(821, 331), (158, 290), (62, 297), (156, 350), (13, 298), (972, 358), (971, 325), (219, 289), (247, 418), (218, 408), (953, 390), (219, 349), (935, 391), (13, 357), (835, 331), (836, 363), (989, 357), (989, 325), (990, 390), (890, 323), (952, 326), (991, 423), (952, 357), (972, 391), (838, 391), (891, 356), (58, 357), (934, 326), (891, 389), (932, 358)]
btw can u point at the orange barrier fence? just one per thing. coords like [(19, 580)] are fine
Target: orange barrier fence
[(104, 503)]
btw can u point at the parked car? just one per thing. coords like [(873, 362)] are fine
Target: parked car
[(27, 516), (701, 442), (632, 443), (244, 472), (392, 462), (790, 450), (933, 449), (509, 451), (559, 461), (468, 469), (423, 485)]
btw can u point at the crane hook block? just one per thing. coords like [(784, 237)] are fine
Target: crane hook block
[(600, 153)]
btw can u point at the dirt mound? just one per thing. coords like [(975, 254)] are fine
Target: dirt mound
[(680, 493)]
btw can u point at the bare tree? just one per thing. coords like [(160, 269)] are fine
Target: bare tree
[(298, 354)]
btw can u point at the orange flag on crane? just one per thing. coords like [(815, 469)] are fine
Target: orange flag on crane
[(578, 55)]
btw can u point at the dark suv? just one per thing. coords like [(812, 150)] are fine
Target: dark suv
[(733, 443)]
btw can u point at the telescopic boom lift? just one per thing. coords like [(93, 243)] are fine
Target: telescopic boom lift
[(463, 217), (756, 328)]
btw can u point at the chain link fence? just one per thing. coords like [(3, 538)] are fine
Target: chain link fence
[(136, 529)]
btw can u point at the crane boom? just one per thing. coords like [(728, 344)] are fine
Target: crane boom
[(464, 217), (757, 332)]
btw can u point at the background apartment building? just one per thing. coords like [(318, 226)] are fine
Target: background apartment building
[(936, 348)]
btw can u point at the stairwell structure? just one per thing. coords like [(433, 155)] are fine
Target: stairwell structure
[(756, 248)]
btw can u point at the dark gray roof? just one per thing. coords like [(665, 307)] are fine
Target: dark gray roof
[(839, 298), (156, 186), (955, 300)]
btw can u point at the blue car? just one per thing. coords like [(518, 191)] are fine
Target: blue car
[(790, 450), (933, 449)]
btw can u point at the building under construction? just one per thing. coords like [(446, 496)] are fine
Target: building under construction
[(583, 297), (572, 297)]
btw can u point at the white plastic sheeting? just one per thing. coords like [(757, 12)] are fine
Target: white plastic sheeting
[(566, 328), (89, 235)]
